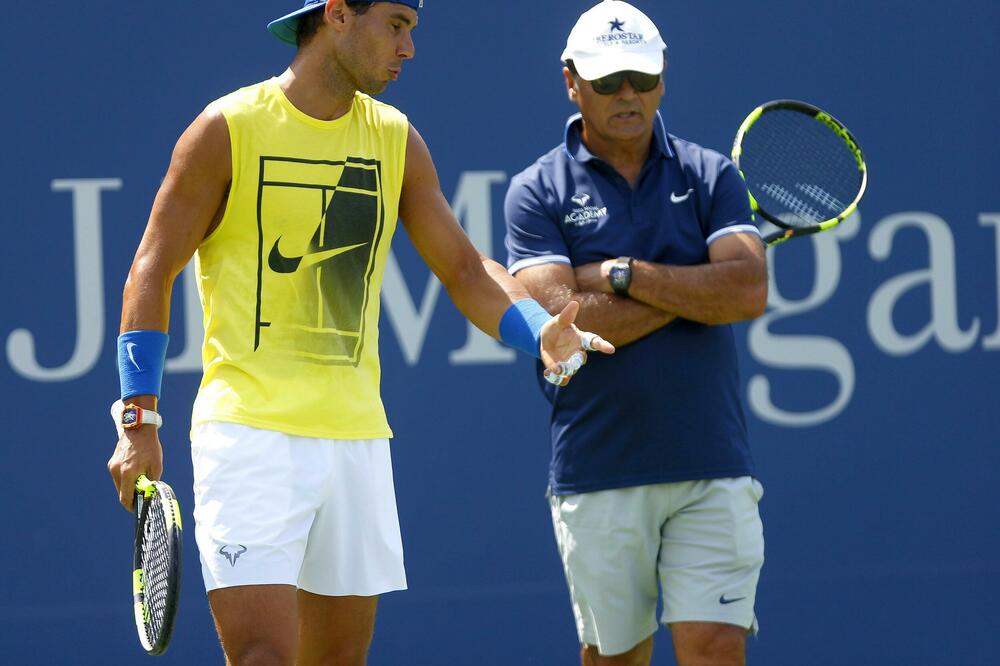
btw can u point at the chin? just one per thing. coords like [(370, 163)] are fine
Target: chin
[(627, 132), (375, 88)]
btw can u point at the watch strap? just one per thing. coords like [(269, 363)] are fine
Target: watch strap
[(149, 417)]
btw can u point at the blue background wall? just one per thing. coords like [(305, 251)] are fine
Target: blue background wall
[(877, 443)]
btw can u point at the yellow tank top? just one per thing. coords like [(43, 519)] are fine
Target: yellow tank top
[(290, 279)]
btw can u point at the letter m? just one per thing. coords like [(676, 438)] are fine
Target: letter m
[(472, 205)]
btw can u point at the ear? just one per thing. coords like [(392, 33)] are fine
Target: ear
[(335, 12), (571, 89)]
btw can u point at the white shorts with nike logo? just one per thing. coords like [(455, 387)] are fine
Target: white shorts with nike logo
[(272, 508), (701, 541)]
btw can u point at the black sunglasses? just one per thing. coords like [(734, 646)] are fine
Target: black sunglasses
[(610, 84)]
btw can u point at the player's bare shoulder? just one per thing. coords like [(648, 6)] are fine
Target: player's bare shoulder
[(205, 147)]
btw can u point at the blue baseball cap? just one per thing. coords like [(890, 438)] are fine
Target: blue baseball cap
[(287, 27)]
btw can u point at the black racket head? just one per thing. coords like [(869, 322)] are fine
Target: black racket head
[(804, 169), (156, 568)]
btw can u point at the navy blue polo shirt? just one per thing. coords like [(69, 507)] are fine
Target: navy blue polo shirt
[(666, 407)]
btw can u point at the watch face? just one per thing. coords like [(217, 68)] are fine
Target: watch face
[(130, 417), (620, 277)]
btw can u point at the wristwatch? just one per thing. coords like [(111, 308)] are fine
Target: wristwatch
[(620, 275), (133, 416)]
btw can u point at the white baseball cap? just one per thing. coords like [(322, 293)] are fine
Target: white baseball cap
[(613, 36)]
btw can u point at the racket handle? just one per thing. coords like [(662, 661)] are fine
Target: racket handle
[(144, 486)]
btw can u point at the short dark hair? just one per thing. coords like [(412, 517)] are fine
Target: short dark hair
[(310, 22)]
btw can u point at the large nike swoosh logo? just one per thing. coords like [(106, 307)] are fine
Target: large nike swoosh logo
[(129, 346), (723, 600), (282, 264), (682, 197)]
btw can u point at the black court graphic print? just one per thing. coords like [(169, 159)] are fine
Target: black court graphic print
[(319, 224)]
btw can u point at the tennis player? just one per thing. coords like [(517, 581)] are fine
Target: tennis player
[(651, 476), (289, 190)]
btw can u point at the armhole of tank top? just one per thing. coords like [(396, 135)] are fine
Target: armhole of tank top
[(402, 156), (234, 161)]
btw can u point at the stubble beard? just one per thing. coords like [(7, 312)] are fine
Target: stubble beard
[(353, 66)]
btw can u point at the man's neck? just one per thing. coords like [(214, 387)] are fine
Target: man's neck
[(626, 157), (317, 89)]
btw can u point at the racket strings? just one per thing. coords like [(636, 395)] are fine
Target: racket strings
[(156, 566), (798, 169)]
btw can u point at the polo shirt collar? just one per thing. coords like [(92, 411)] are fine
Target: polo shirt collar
[(575, 148)]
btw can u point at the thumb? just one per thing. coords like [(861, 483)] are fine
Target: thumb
[(568, 314)]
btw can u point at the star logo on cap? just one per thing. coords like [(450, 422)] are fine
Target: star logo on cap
[(617, 25)]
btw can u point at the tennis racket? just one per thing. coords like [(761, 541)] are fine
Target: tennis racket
[(804, 169), (156, 569)]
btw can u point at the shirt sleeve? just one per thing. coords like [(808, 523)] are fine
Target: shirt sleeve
[(730, 212), (533, 234)]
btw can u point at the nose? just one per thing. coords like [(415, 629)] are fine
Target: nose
[(405, 49), (626, 91)]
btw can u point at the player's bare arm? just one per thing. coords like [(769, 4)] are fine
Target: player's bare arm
[(616, 319), (188, 205), (732, 286), (480, 287)]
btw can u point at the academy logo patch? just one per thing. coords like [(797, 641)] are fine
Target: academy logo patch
[(585, 214)]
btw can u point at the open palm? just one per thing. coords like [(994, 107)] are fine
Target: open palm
[(561, 340)]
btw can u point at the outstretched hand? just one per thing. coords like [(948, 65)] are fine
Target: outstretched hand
[(564, 346)]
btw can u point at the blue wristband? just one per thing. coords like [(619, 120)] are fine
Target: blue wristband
[(521, 326), (141, 357)]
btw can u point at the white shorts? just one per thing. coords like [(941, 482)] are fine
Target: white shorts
[(701, 541), (272, 508)]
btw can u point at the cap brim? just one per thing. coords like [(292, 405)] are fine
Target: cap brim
[(596, 66), (286, 28)]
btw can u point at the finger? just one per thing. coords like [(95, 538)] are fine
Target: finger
[(126, 491), (114, 471), (570, 366), (594, 342), (556, 379), (568, 314)]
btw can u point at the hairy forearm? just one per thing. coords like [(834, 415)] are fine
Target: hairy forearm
[(713, 293), (618, 320)]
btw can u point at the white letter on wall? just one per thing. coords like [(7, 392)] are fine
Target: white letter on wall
[(992, 341), (803, 352), (89, 268), (409, 323), (472, 205), (940, 276)]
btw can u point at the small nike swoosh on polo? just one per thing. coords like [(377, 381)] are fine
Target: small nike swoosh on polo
[(129, 346), (723, 600), (678, 198)]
